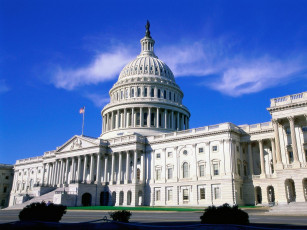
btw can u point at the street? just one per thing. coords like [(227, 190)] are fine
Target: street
[(161, 218)]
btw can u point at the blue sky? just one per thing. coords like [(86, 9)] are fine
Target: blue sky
[(228, 57)]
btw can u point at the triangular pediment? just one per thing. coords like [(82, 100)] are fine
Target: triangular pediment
[(78, 142)]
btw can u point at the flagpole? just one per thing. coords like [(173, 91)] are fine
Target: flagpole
[(83, 121)]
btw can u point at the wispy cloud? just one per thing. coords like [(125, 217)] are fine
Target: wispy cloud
[(235, 73), (3, 86), (99, 100), (104, 67)]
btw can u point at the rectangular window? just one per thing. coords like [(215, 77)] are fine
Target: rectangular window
[(201, 150), (137, 118), (202, 194), (169, 173), (138, 92), (158, 195), (185, 193), (170, 154), (239, 169), (217, 194), (170, 95), (4, 189), (152, 94), (158, 174), (158, 155), (145, 119), (164, 94), (290, 154), (169, 194), (201, 170), (132, 92), (159, 93), (304, 128), (288, 131), (152, 119), (214, 148), (215, 169)]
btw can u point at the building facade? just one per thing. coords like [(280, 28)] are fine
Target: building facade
[(148, 155), (6, 181)]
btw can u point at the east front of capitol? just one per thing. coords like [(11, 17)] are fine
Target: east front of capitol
[(148, 156)]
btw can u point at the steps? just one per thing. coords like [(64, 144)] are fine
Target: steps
[(46, 197), (294, 208)]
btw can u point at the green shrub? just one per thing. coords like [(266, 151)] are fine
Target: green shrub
[(224, 214), (42, 212), (122, 216)]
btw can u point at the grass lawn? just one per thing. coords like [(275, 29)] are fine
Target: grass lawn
[(144, 208)]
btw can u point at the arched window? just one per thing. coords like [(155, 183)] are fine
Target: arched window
[(132, 92), (185, 169)]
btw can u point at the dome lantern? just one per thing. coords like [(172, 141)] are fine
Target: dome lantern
[(147, 43)]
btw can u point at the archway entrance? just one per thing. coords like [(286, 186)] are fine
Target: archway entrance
[(140, 198), (121, 198), (258, 195), (271, 194), (305, 188), (104, 198), (290, 190), (129, 196), (113, 198), (86, 199)]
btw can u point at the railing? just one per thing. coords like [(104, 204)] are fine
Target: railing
[(288, 99), (256, 127), (31, 159)]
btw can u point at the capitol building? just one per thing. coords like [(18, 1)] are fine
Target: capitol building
[(147, 155)]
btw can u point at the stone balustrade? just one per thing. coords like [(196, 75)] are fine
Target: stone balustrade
[(288, 99)]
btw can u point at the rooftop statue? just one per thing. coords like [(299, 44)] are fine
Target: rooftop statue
[(147, 34)]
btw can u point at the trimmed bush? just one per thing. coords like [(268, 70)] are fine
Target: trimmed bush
[(122, 216), (42, 212), (224, 214)]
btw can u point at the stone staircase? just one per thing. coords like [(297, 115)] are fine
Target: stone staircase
[(294, 208), (46, 197)]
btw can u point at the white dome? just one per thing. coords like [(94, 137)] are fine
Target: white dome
[(146, 65)]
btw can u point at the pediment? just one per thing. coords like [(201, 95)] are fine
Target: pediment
[(78, 142)]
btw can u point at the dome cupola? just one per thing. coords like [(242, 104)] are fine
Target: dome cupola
[(145, 99)]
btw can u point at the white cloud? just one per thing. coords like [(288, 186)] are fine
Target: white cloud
[(104, 67), (236, 73), (3, 86), (99, 100)]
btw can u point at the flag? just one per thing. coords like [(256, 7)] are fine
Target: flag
[(82, 110)]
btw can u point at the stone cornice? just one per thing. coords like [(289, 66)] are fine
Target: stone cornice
[(287, 106)]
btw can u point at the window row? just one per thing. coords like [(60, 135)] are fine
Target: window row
[(146, 92)]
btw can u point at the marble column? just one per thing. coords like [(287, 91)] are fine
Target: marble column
[(73, 169), (182, 125), (112, 121), (112, 168), (149, 117), (273, 152), (141, 117), (165, 119), (133, 117), (108, 122), (92, 169), (261, 158), (119, 168), (43, 174), (125, 121), (173, 122), (127, 168), (178, 121), (98, 179), (293, 140), (66, 171), (79, 170), (158, 118), (250, 159), (277, 145), (134, 166), (117, 120), (105, 168), (60, 173), (84, 169), (143, 167), (54, 173)]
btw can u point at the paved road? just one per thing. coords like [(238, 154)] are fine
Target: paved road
[(160, 217)]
